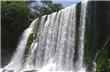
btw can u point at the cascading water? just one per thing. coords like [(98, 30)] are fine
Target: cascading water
[(79, 63), (52, 50), (16, 61)]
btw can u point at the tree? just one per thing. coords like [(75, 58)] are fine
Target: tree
[(46, 2), (47, 8), (14, 19), (56, 7)]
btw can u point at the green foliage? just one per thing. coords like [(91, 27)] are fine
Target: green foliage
[(102, 58), (47, 8), (11, 8), (30, 40), (46, 2), (28, 45), (56, 7), (41, 10), (14, 19), (97, 38)]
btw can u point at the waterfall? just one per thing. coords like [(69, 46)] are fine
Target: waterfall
[(79, 63), (16, 61), (53, 47)]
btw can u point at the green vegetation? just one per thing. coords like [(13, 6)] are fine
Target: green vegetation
[(48, 7), (102, 58), (16, 16), (97, 37), (30, 40), (14, 19)]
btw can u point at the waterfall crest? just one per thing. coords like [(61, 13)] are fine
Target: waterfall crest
[(53, 47)]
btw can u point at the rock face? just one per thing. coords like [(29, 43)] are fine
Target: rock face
[(97, 42)]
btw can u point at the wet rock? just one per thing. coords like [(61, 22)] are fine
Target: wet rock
[(10, 71), (31, 71), (5, 70)]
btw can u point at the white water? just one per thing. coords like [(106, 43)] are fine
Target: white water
[(79, 63), (53, 50), (16, 61)]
